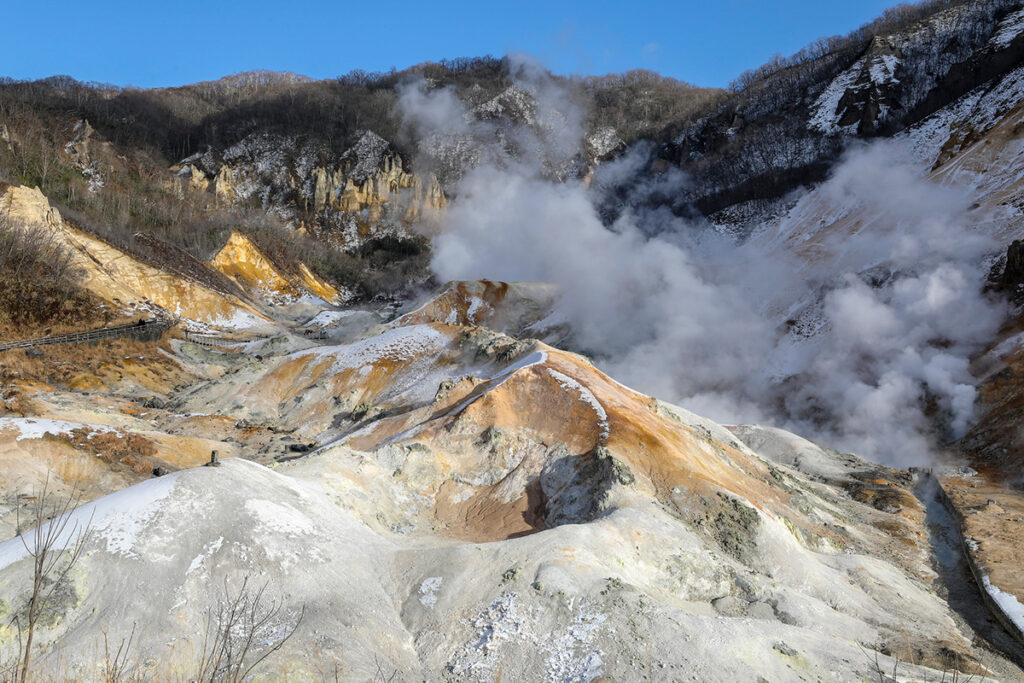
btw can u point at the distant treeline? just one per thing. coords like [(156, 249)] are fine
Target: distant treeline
[(177, 122)]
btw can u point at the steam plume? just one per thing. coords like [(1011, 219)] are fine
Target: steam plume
[(884, 309)]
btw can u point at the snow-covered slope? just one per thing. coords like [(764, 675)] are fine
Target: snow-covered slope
[(344, 541)]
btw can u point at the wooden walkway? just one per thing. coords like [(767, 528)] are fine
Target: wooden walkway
[(151, 328), (212, 342), (148, 329)]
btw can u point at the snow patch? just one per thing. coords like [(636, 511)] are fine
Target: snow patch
[(93, 178), (400, 344), (367, 153), (566, 662), (571, 654), (239, 320), (475, 305), (1008, 30), (1007, 346), (883, 69), (428, 590), (586, 396), (514, 102), (208, 551), (329, 318), (119, 519), (604, 141), (503, 621), (37, 428), (826, 115), (534, 358), (279, 518), (1008, 603)]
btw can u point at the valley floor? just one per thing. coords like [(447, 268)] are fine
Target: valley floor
[(429, 498)]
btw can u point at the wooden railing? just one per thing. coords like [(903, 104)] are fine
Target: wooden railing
[(233, 345), (212, 342), (147, 328)]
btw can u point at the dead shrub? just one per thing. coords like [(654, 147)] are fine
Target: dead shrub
[(38, 280)]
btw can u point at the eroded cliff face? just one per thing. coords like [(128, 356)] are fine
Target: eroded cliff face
[(363, 193), (387, 196), (333, 190)]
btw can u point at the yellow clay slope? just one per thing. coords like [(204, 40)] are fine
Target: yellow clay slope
[(118, 278)]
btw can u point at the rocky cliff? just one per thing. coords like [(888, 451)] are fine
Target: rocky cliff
[(786, 126), (365, 192)]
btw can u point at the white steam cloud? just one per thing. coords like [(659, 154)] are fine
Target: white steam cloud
[(858, 335)]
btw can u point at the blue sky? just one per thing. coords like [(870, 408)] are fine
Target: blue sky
[(158, 43)]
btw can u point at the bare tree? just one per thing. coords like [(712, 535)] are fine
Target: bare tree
[(241, 632), (115, 661), (9, 663), (55, 546), (383, 677)]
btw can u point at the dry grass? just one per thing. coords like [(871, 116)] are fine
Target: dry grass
[(80, 321), (38, 280), (64, 365), (129, 451)]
